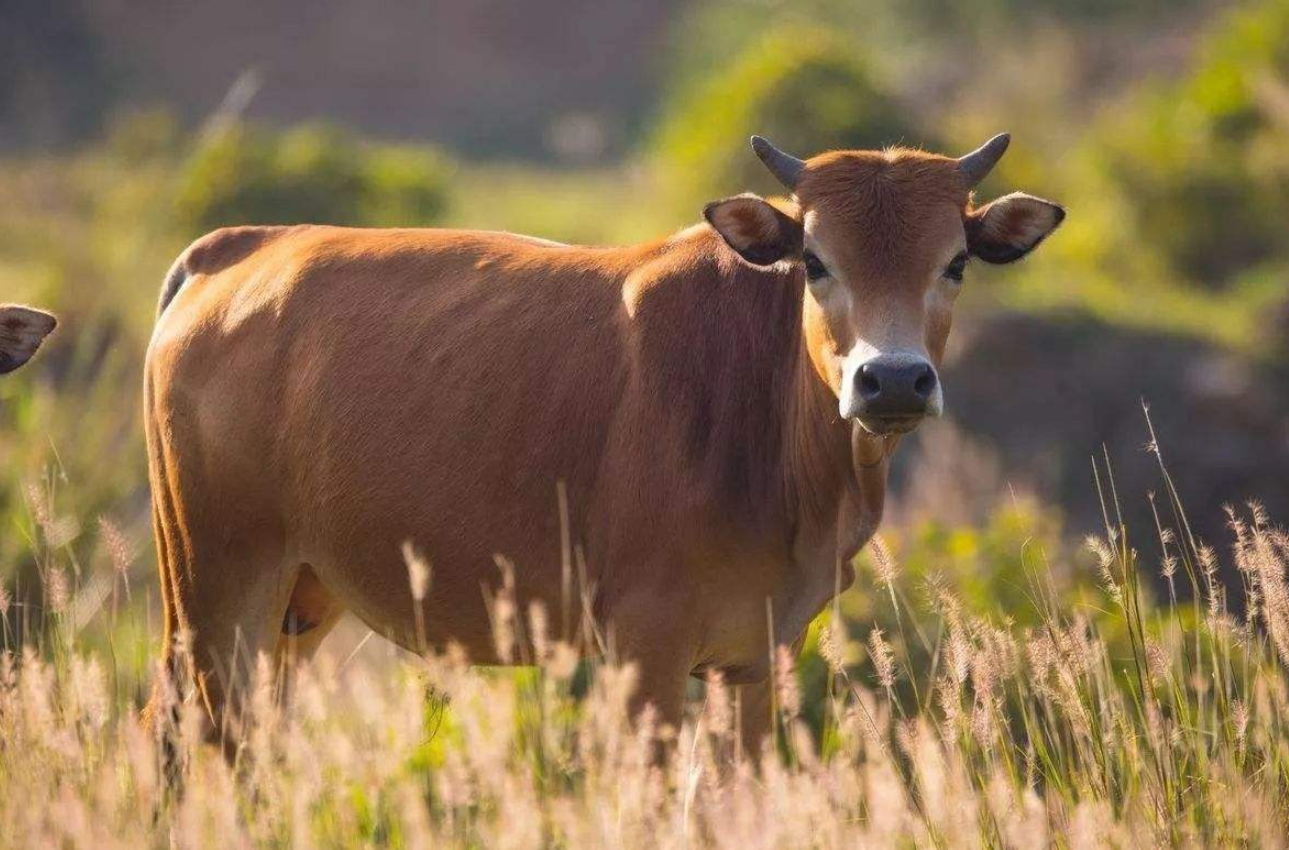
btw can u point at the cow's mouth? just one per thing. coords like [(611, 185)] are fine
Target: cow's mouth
[(887, 426)]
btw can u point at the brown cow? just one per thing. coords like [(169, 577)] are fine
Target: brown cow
[(717, 407), (22, 330)]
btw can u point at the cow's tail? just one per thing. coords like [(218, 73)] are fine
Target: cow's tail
[(175, 279)]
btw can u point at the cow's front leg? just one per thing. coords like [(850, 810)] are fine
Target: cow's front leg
[(756, 707), (755, 716), (648, 633)]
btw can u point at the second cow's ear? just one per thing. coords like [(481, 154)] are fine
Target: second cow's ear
[(1009, 228), (757, 230), (22, 329)]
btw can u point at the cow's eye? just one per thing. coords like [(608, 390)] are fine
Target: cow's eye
[(956, 266), (815, 268)]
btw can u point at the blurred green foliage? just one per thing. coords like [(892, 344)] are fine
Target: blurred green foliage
[(1017, 561), (1178, 192), (309, 174), (1205, 161), (802, 88)]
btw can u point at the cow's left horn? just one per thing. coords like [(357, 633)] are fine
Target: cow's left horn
[(786, 168), (976, 165)]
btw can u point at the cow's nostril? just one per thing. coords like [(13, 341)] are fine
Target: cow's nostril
[(925, 383), (869, 385)]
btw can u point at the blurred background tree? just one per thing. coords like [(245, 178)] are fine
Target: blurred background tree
[(801, 87), (313, 173), (1204, 159)]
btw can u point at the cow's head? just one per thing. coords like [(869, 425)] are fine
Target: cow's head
[(22, 329), (884, 239)]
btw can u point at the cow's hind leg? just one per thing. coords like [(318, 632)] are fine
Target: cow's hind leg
[(225, 587), (229, 613)]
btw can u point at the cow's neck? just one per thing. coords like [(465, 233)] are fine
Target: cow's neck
[(833, 493), (725, 363), (835, 479)]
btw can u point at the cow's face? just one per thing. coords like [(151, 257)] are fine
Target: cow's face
[(883, 239), (22, 329)]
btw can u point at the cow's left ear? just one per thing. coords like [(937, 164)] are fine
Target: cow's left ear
[(22, 329), (756, 229), (1007, 229)]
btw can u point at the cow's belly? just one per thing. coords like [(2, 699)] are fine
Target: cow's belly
[(486, 525), (460, 605)]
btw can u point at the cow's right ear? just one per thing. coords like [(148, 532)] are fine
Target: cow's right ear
[(756, 229), (22, 329)]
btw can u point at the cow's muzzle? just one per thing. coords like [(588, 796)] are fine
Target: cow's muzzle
[(892, 394)]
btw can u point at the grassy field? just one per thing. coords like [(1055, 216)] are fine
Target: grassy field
[(1086, 716)]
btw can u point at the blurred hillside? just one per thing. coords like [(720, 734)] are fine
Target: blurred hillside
[(573, 78), (501, 76), (1163, 127)]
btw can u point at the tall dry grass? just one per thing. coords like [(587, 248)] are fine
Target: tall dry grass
[(1122, 723)]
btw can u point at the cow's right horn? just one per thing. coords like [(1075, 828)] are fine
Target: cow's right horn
[(786, 168)]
